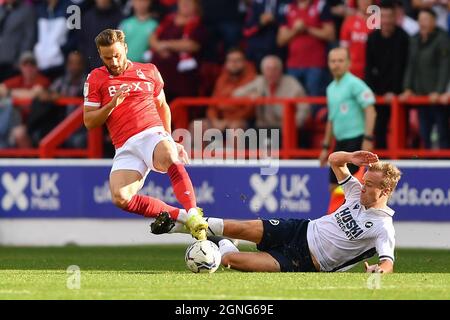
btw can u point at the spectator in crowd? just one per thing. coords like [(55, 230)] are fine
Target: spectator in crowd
[(223, 20), (273, 83), (351, 112), (138, 29), (404, 21), (54, 39), (354, 33), (176, 44), (9, 118), (165, 7), (17, 34), (427, 73), (261, 27), (440, 8), (307, 30), (28, 85), (385, 66), (339, 11), (45, 115), (236, 73), (105, 14)]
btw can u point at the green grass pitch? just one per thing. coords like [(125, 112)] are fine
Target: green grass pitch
[(158, 272)]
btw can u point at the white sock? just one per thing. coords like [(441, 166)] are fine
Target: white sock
[(182, 216), (215, 226), (179, 228), (226, 246)]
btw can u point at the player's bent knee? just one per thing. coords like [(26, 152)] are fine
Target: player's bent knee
[(120, 199)]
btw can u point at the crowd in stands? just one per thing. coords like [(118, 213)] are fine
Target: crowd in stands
[(227, 48)]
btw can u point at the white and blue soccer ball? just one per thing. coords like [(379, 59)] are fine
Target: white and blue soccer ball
[(203, 256)]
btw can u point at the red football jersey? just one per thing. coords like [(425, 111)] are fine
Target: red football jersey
[(138, 111), (355, 32)]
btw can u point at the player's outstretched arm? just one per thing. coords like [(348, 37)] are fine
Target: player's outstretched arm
[(95, 117), (338, 161)]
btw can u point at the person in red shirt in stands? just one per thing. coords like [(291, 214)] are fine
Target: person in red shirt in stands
[(129, 97), (307, 30), (176, 45), (28, 85), (354, 34)]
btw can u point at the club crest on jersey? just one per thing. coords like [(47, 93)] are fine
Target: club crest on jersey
[(140, 74)]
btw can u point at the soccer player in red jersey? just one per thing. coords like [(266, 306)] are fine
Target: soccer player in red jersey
[(129, 97)]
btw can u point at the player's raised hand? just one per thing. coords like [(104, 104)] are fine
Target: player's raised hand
[(120, 95), (182, 154), (363, 158)]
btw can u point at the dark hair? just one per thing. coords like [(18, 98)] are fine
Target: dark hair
[(108, 37), (429, 11), (235, 49), (398, 3), (388, 4), (77, 53)]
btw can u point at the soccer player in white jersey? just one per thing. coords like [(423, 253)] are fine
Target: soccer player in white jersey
[(129, 98), (361, 227)]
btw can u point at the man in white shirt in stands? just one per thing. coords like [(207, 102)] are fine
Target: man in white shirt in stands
[(361, 227)]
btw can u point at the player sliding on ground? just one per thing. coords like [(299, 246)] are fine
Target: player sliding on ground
[(361, 227), (129, 98)]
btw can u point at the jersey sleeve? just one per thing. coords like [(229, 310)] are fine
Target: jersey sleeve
[(385, 243), (91, 92), (157, 78), (363, 94), (351, 186)]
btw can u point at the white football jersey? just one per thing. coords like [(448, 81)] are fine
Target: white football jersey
[(352, 233)]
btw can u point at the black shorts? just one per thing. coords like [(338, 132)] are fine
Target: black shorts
[(348, 145), (286, 242)]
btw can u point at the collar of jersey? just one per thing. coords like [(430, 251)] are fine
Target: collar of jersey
[(385, 210)]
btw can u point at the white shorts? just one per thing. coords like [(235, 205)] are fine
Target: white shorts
[(137, 152)]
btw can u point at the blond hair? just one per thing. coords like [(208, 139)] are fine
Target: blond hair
[(108, 37), (391, 174)]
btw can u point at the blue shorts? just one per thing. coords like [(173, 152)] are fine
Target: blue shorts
[(286, 242)]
